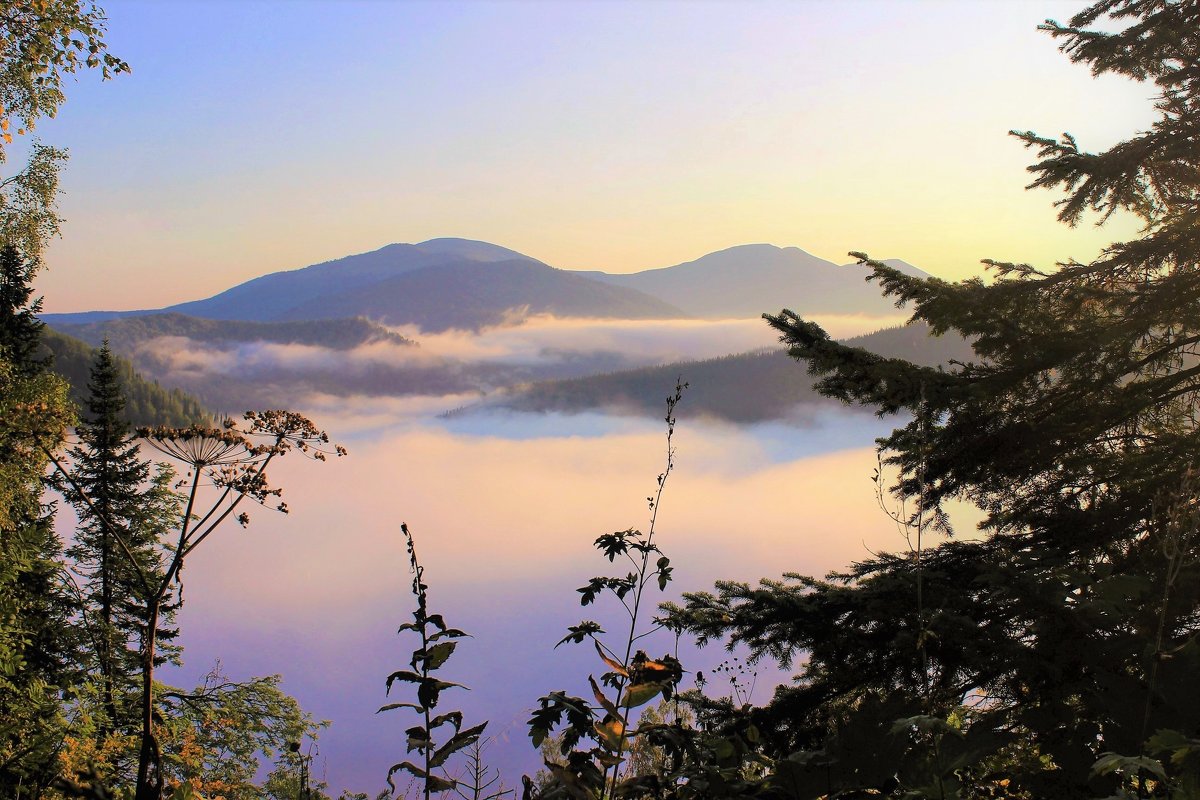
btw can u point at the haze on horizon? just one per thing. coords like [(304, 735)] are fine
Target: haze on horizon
[(260, 136)]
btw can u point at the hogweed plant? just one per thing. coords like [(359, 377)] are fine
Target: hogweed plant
[(436, 646), (223, 468), (633, 678)]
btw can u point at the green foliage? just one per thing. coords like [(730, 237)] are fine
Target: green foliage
[(20, 329), (232, 463), (146, 402), (217, 736), (38, 642), (116, 550), (41, 42), (438, 642), (28, 199)]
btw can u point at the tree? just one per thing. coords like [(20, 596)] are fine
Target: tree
[(1057, 656), (20, 328), (208, 739), (216, 735), (37, 640), (233, 463), (41, 42), (120, 492)]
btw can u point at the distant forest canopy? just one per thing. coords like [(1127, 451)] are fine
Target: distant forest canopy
[(124, 334), (746, 387), (147, 403)]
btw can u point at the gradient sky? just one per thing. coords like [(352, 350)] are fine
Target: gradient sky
[(259, 136)]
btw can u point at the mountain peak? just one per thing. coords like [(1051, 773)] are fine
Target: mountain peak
[(470, 249)]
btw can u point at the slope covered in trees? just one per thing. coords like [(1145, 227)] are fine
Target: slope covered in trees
[(748, 387), (147, 403), (124, 334)]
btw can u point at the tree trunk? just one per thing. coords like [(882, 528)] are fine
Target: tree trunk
[(149, 777)]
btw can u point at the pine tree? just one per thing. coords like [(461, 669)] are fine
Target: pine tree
[(20, 329), (1058, 656), (108, 470)]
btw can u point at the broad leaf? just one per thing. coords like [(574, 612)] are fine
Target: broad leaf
[(614, 665), (637, 694), (456, 743)]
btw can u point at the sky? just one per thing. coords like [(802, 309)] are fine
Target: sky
[(258, 136)]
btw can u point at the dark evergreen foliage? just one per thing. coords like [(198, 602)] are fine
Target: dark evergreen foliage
[(120, 501), (146, 402), (1058, 656), (39, 645), (20, 329)]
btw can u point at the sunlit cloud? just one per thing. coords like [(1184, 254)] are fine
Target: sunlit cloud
[(540, 341)]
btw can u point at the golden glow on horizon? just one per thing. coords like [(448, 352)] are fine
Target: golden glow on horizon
[(622, 137)]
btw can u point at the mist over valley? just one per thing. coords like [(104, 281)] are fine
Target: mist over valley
[(509, 429)]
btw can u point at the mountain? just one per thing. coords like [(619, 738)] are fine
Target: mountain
[(748, 387), (146, 403), (276, 296), (751, 279), (472, 295), (461, 283), (439, 284)]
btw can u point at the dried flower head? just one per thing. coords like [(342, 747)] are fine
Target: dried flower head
[(200, 446)]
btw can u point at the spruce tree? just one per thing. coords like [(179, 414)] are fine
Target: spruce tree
[(122, 518), (1057, 656), (20, 329)]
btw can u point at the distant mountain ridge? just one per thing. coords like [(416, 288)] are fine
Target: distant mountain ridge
[(125, 334), (462, 283), (750, 279), (718, 387)]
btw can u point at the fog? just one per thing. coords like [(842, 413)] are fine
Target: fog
[(504, 509), (539, 346)]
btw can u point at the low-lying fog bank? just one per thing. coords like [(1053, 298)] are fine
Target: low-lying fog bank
[(504, 510)]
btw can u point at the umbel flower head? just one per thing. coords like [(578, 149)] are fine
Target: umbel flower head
[(235, 458), (199, 446), (269, 433)]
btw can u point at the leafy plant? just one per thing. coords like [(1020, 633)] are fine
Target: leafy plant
[(231, 463), (438, 643), (633, 678)]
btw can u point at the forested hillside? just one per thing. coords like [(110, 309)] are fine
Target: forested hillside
[(147, 403), (747, 387), (124, 334)]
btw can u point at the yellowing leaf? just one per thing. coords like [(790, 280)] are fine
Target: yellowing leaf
[(640, 693), (602, 700), (614, 665), (611, 731)]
